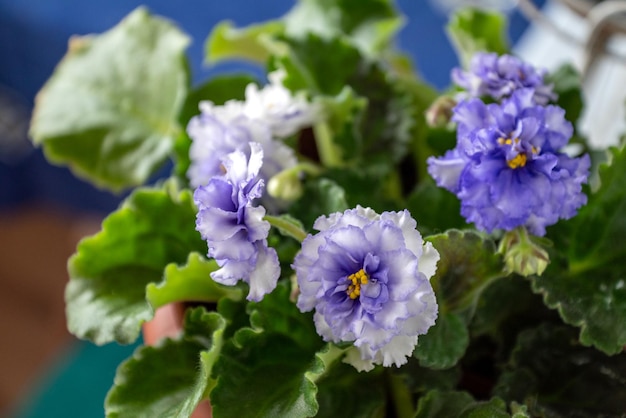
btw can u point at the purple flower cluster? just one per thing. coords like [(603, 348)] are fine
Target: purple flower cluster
[(500, 76), (234, 228), (507, 168), (367, 278)]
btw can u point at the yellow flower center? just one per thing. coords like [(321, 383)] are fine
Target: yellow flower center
[(518, 161), (359, 278)]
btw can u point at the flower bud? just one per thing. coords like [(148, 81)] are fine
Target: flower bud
[(439, 114), (522, 254)]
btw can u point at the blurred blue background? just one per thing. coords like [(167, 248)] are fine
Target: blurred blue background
[(34, 37)]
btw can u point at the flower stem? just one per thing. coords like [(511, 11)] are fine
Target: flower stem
[(287, 226), (402, 400), (329, 153)]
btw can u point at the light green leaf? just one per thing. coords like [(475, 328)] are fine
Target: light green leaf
[(110, 109), (467, 265), (191, 282), (444, 344), (164, 381), (590, 292), (250, 43), (473, 30), (106, 295)]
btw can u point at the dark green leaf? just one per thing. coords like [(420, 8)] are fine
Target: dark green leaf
[(276, 313), (344, 391), (321, 197), (263, 374), (589, 290), (473, 30), (559, 377), (110, 110), (468, 264), (164, 381), (309, 61), (443, 404), (191, 282), (568, 85), (494, 408), (444, 344), (106, 295), (421, 379), (435, 208)]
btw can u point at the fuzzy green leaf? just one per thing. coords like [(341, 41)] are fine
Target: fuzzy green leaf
[(265, 373), (473, 30), (110, 109), (468, 264), (191, 282), (442, 404), (106, 294), (568, 85), (268, 368), (249, 43), (340, 391), (369, 24), (558, 377), (590, 292), (435, 208), (444, 344), (164, 380), (321, 197)]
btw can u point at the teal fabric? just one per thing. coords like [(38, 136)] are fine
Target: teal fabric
[(77, 384)]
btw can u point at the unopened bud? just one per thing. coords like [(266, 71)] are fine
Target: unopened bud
[(522, 254), (439, 114), (285, 185)]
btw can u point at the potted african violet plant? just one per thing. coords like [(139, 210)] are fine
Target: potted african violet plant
[(341, 239)]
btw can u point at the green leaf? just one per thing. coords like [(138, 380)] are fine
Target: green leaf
[(568, 85), (249, 43), (444, 344), (468, 264), (277, 314), (265, 373), (589, 290), (191, 282), (164, 381), (556, 376), (421, 379), (308, 62), (321, 197), (106, 294), (473, 30), (435, 208), (217, 90), (110, 109), (343, 390), (443, 404), (368, 24)]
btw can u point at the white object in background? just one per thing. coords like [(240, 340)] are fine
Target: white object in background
[(604, 117), (449, 6)]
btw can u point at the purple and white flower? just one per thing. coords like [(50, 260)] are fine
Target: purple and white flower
[(275, 105), (507, 168), (233, 226), (500, 76), (367, 278), (220, 130)]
